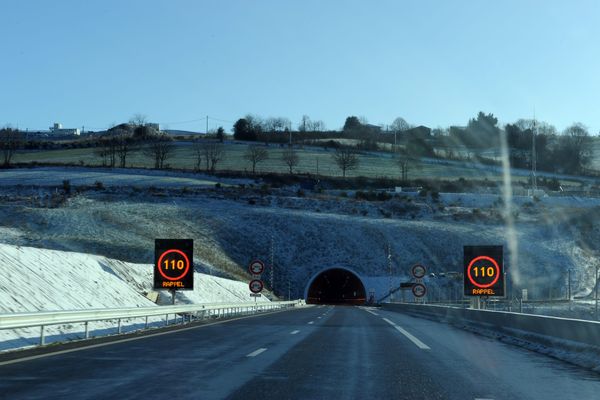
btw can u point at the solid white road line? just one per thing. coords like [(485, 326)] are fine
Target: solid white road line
[(131, 339), (311, 322), (293, 332), (410, 337), (369, 311), (256, 352)]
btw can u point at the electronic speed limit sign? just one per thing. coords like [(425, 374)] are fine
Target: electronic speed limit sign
[(256, 286), (483, 271), (174, 264)]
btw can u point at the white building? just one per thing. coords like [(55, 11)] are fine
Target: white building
[(58, 130)]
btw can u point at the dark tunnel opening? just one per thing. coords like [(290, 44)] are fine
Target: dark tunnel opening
[(336, 286)]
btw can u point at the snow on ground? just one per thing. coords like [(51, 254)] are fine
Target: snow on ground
[(35, 279), (54, 176)]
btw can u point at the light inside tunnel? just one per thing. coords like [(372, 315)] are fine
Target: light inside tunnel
[(336, 286)]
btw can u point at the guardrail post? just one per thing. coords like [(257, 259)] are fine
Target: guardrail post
[(166, 319), (42, 338), (146, 323), (87, 330), (119, 326)]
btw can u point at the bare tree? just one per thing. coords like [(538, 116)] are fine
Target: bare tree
[(123, 146), (199, 152), (160, 148), (402, 161), (399, 125), (10, 141), (107, 149), (210, 152), (290, 158), (138, 119), (213, 153), (256, 154), (346, 159)]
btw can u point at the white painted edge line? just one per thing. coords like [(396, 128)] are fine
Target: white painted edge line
[(410, 337), (257, 352), (93, 346), (294, 332), (374, 313), (311, 322), (318, 317)]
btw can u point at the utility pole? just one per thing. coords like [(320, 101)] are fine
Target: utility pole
[(272, 265), (389, 257), (533, 161), (596, 276), (289, 290), (569, 287), (207, 129)]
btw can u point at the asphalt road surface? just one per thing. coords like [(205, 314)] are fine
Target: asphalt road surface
[(320, 352)]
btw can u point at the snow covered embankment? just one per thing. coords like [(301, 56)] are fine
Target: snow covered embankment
[(33, 279)]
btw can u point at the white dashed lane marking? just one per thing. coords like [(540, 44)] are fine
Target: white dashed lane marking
[(256, 352)]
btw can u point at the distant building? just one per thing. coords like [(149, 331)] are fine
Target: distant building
[(418, 132), (58, 130), (373, 128)]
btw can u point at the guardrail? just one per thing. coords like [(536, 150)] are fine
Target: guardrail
[(187, 313)]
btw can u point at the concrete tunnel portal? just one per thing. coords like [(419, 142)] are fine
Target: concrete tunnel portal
[(336, 286)]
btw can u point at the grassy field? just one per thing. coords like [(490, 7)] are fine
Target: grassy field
[(312, 160)]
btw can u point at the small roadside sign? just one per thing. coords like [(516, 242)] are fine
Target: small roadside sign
[(418, 271), (256, 267), (256, 286), (419, 290)]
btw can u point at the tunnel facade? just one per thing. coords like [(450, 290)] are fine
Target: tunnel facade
[(336, 286)]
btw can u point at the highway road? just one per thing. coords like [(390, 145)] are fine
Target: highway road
[(320, 352)]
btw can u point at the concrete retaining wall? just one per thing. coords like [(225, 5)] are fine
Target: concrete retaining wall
[(581, 331)]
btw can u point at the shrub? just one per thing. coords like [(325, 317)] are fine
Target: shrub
[(99, 185), (66, 186)]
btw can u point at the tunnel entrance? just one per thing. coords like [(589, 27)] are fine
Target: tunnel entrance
[(336, 286)]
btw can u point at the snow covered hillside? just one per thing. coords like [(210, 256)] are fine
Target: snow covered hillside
[(232, 226), (39, 279)]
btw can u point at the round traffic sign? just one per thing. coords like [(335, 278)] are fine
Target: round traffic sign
[(481, 273), (419, 290), (418, 271), (173, 264), (256, 286), (256, 267)]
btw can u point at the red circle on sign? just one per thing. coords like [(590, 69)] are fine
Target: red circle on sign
[(416, 267), (490, 259), (421, 286), (260, 263), (185, 271), (256, 281)]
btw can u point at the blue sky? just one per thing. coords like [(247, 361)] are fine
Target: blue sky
[(437, 63)]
